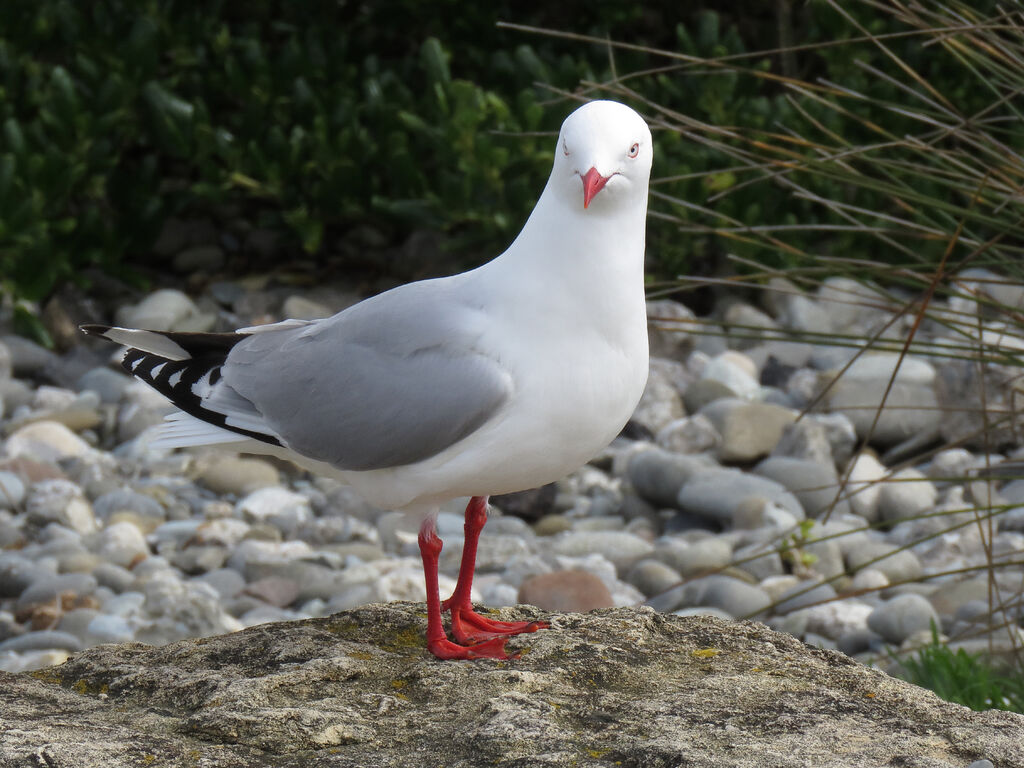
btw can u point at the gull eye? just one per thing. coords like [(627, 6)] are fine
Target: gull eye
[(565, 148), (634, 150)]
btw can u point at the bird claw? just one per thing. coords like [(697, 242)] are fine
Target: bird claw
[(468, 626), (493, 648)]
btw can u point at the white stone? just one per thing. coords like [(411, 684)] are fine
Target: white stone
[(864, 486), (907, 493), (735, 370), (122, 544), (46, 441)]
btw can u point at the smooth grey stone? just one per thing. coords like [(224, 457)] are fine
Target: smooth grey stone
[(652, 577), (8, 626), (659, 404), (693, 557), (906, 493), (827, 557), (815, 485), (11, 536), (670, 327), (747, 323), (108, 384), (657, 475), (76, 621), (43, 640), (859, 641), (26, 357), (802, 595), (734, 370), (59, 501), (109, 628), (759, 560), (711, 340), (6, 368), (794, 623), (127, 500), (805, 439), (618, 547), (898, 566), (18, 573), (911, 408), (903, 616), (690, 434), (12, 490), (735, 597), (15, 394), (715, 493), (48, 589), (981, 764), (114, 577), (749, 430), (228, 582), (703, 392)]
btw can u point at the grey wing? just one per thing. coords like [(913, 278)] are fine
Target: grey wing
[(393, 380)]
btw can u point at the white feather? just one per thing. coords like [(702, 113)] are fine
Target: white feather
[(148, 341)]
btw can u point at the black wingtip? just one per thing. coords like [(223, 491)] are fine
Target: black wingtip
[(94, 329)]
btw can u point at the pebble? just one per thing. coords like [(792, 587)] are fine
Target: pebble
[(895, 564), (905, 494), (688, 558), (621, 549), (45, 441), (670, 327), (659, 405), (652, 577), (690, 434), (42, 640), (167, 309), (904, 615), (749, 430), (815, 485), (122, 544), (61, 502), (802, 595), (716, 494), (12, 490), (565, 591), (658, 475), (733, 596), (865, 486), (231, 475)]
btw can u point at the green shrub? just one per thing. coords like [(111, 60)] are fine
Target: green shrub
[(313, 119)]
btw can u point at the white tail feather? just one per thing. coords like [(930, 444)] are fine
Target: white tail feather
[(148, 341), (182, 430)]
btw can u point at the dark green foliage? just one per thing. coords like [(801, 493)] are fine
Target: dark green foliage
[(964, 678), (314, 119)]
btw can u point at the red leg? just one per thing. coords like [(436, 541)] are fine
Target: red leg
[(437, 643), (467, 625)]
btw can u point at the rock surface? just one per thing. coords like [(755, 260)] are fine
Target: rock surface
[(620, 687)]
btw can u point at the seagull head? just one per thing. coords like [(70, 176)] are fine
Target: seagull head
[(604, 148)]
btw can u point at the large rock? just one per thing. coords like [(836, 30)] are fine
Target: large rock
[(622, 686)]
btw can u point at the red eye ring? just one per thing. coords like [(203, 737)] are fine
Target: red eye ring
[(634, 150)]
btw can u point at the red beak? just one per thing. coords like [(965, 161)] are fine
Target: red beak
[(593, 183)]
